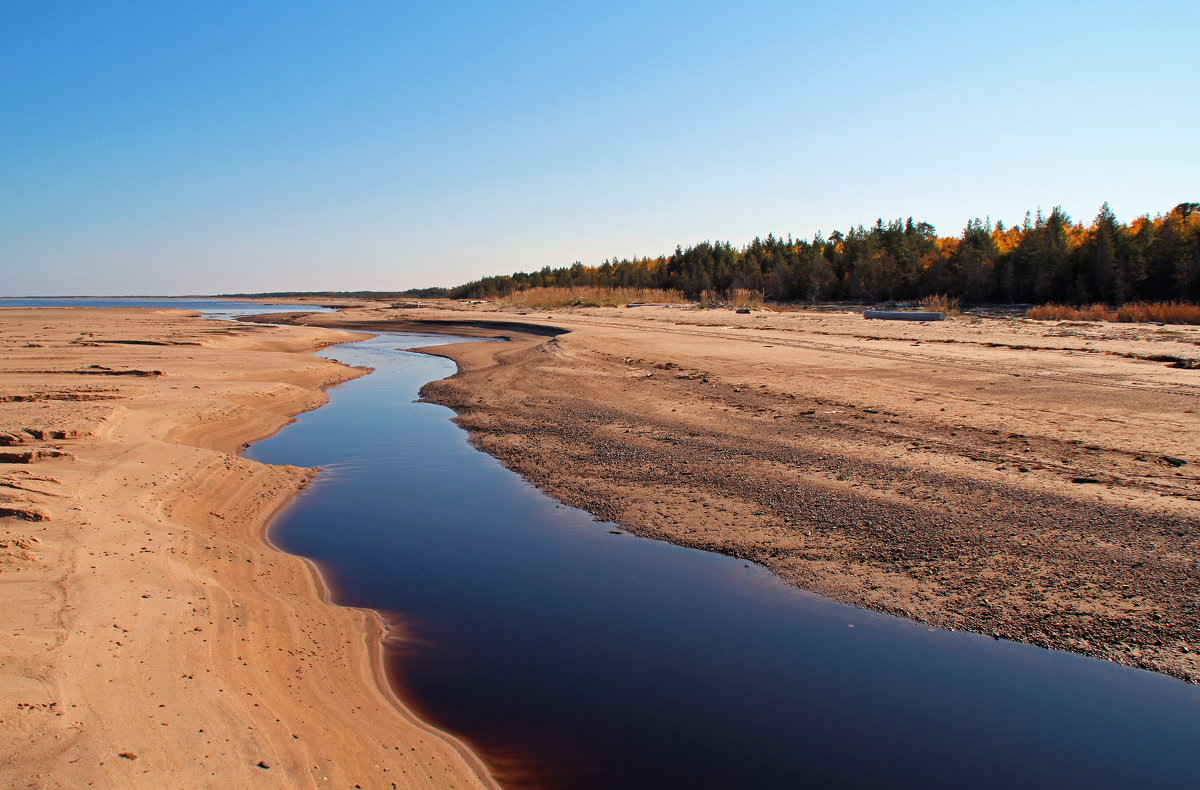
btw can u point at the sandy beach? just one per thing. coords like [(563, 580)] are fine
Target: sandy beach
[(151, 637), (1035, 481), (1032, 480)]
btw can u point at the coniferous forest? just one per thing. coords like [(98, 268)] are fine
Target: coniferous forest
[(1048, 258)]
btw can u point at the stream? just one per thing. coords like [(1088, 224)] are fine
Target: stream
[(571, 654)]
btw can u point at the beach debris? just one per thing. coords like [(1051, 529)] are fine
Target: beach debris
[(1174, 461), (903, 315), (127, 755), (263, 764), (45, 707)]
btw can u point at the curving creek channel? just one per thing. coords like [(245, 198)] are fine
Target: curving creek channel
[(571, 654)]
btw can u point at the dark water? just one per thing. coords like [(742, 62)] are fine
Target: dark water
[(575, 658), (216, 308)]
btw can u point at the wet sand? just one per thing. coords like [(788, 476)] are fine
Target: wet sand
[(1035, 481), (150, 635)]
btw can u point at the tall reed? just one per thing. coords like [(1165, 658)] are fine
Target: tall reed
[(1139, 312), (744, 298), (942, 303)]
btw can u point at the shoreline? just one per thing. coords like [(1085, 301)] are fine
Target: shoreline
[(154, 633), (853, 459), (375, 637)]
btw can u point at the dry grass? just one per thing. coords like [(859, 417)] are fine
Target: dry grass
[(545, 298), (1167, 312), (1163, 312), (941, 303), (1062, 312), (741, 298)]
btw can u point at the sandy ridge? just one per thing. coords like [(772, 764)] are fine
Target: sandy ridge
[(150, 636)]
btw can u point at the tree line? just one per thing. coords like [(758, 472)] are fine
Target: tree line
[(1045, 259)]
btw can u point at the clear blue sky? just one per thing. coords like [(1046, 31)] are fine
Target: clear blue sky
[(202, 147)]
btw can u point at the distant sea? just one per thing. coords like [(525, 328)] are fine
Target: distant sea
[(209, 306)]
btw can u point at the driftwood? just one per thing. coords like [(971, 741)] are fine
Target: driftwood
[(897, 315)]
